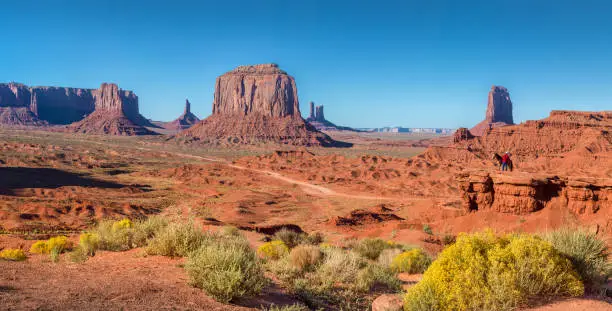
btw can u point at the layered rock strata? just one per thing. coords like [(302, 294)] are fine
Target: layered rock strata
[(255, 104), (499, 111)]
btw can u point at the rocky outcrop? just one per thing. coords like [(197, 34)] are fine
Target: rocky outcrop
[(255, 104), (388, 302), (317, 119), (462, 134), (116, 113), (19, 116), (53, 105), (499, 111), (523, 194), (185, 121)]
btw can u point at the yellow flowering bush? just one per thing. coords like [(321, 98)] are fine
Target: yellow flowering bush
[(12, 254), (273, 250), (89, 243), (58, 244), (485, 272), (412, 261), (122, 224)]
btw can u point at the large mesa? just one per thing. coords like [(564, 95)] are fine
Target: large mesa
[(255, 104)]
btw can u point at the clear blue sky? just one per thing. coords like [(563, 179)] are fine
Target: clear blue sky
[(371, 63)]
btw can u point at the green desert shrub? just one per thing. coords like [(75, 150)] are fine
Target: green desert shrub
[(376, 275), (78, 254), (315, 238), (485, 272), (371, 248), (12, 254), (289, 237), (226, 269), (273, 250), (146, 229), (386, 256), (115, 235), (230, 231), (412, 261), (305, 257), (177, 239), (586, 251)]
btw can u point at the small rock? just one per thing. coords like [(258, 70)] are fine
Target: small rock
[(387, 302)]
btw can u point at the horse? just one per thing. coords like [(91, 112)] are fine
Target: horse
[(498, 158)]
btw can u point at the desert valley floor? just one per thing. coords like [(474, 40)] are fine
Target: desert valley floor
[(56, 183)]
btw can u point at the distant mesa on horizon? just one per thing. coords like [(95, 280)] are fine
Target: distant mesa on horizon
[(256, 104)]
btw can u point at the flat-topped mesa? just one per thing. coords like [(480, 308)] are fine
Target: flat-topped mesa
[(252, 105), (259, 89), (499, 106), (49, 104)]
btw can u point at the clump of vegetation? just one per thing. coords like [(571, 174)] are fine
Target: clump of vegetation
[(226, 269), (176, 240), (371, 248), (293, 307), (485, 272), (315, 238), (586, 251), (89, 243), (427, 229), (124, 234), (54, 246), (386, 256), (305, 257), (273, 249), (290, 238), (230, 231), (13, 254), (412, 261)]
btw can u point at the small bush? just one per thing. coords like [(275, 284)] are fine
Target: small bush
[(412, 261), (55, 254), (12, 254), (386, 256), (115, 235), (315, 238), (122, 224), (145, 230), (290, 238), (485, 272), (427, 229), (225, 270), (294, 307), (375, 274), (273, 250), (230, 231), (305, 257), (176, 240), (88, 243), (57, 244), (588, 254), (79, 254), (371, 248)]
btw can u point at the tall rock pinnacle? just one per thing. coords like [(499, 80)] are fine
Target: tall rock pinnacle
[(499, 107)]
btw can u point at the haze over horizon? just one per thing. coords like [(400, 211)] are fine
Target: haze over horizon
[(395, 63)]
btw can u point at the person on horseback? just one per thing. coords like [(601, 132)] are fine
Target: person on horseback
[(505, 161)]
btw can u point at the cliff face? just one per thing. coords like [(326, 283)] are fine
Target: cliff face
[(255, 104), (116, 113), (260, 89), (54, 105)]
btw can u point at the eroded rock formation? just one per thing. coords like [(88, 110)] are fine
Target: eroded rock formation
[(116, 113), (185, 121), (255, 104), (499, 111), (317, 119), (42, 104)]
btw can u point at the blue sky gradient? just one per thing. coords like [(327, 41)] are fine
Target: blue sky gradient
[(371, 63)]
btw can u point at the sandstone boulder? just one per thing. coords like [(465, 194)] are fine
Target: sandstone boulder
[(388, 302)]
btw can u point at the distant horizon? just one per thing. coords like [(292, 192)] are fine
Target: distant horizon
[(396, 63)]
